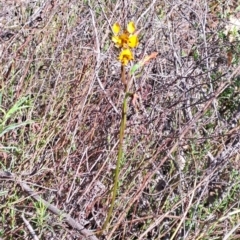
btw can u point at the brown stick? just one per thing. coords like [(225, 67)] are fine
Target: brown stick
[(66, 217)]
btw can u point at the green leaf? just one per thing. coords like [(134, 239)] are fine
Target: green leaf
[(135, 68), (16, 107), (13, 127)]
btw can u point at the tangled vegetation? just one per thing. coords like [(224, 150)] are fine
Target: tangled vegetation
[(68, 71)]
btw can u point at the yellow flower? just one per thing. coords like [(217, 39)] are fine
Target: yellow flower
[(116, 28), (117, 40), (125, 56), (133, 41), (126, 39), (131, 27)]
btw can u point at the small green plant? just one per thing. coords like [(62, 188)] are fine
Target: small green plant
[(41, 213), (21, 104)]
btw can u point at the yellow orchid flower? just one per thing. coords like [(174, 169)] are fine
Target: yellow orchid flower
[(116, 28), (125, 56), (133, 41), (117, 40), (131, 27), (126, 39)]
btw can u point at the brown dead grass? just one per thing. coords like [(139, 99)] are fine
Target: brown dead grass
[(179, 176)]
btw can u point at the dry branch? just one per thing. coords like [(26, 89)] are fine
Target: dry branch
[(66, 217)]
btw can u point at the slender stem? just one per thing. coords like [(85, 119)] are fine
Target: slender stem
[(123, 77), (120, 149)]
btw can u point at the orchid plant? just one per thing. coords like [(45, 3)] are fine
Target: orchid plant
[(125, 40)]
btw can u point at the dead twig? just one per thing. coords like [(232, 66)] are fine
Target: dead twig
[(30, 228), (66, 217)]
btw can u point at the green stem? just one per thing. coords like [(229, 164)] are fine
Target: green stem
[(120, 150)]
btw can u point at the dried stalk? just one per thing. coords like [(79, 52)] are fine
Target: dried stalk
[(66, 217)]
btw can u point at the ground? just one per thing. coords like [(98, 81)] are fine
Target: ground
[(60, 111)]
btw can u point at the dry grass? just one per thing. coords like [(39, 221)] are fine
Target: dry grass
[(61, 108)]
